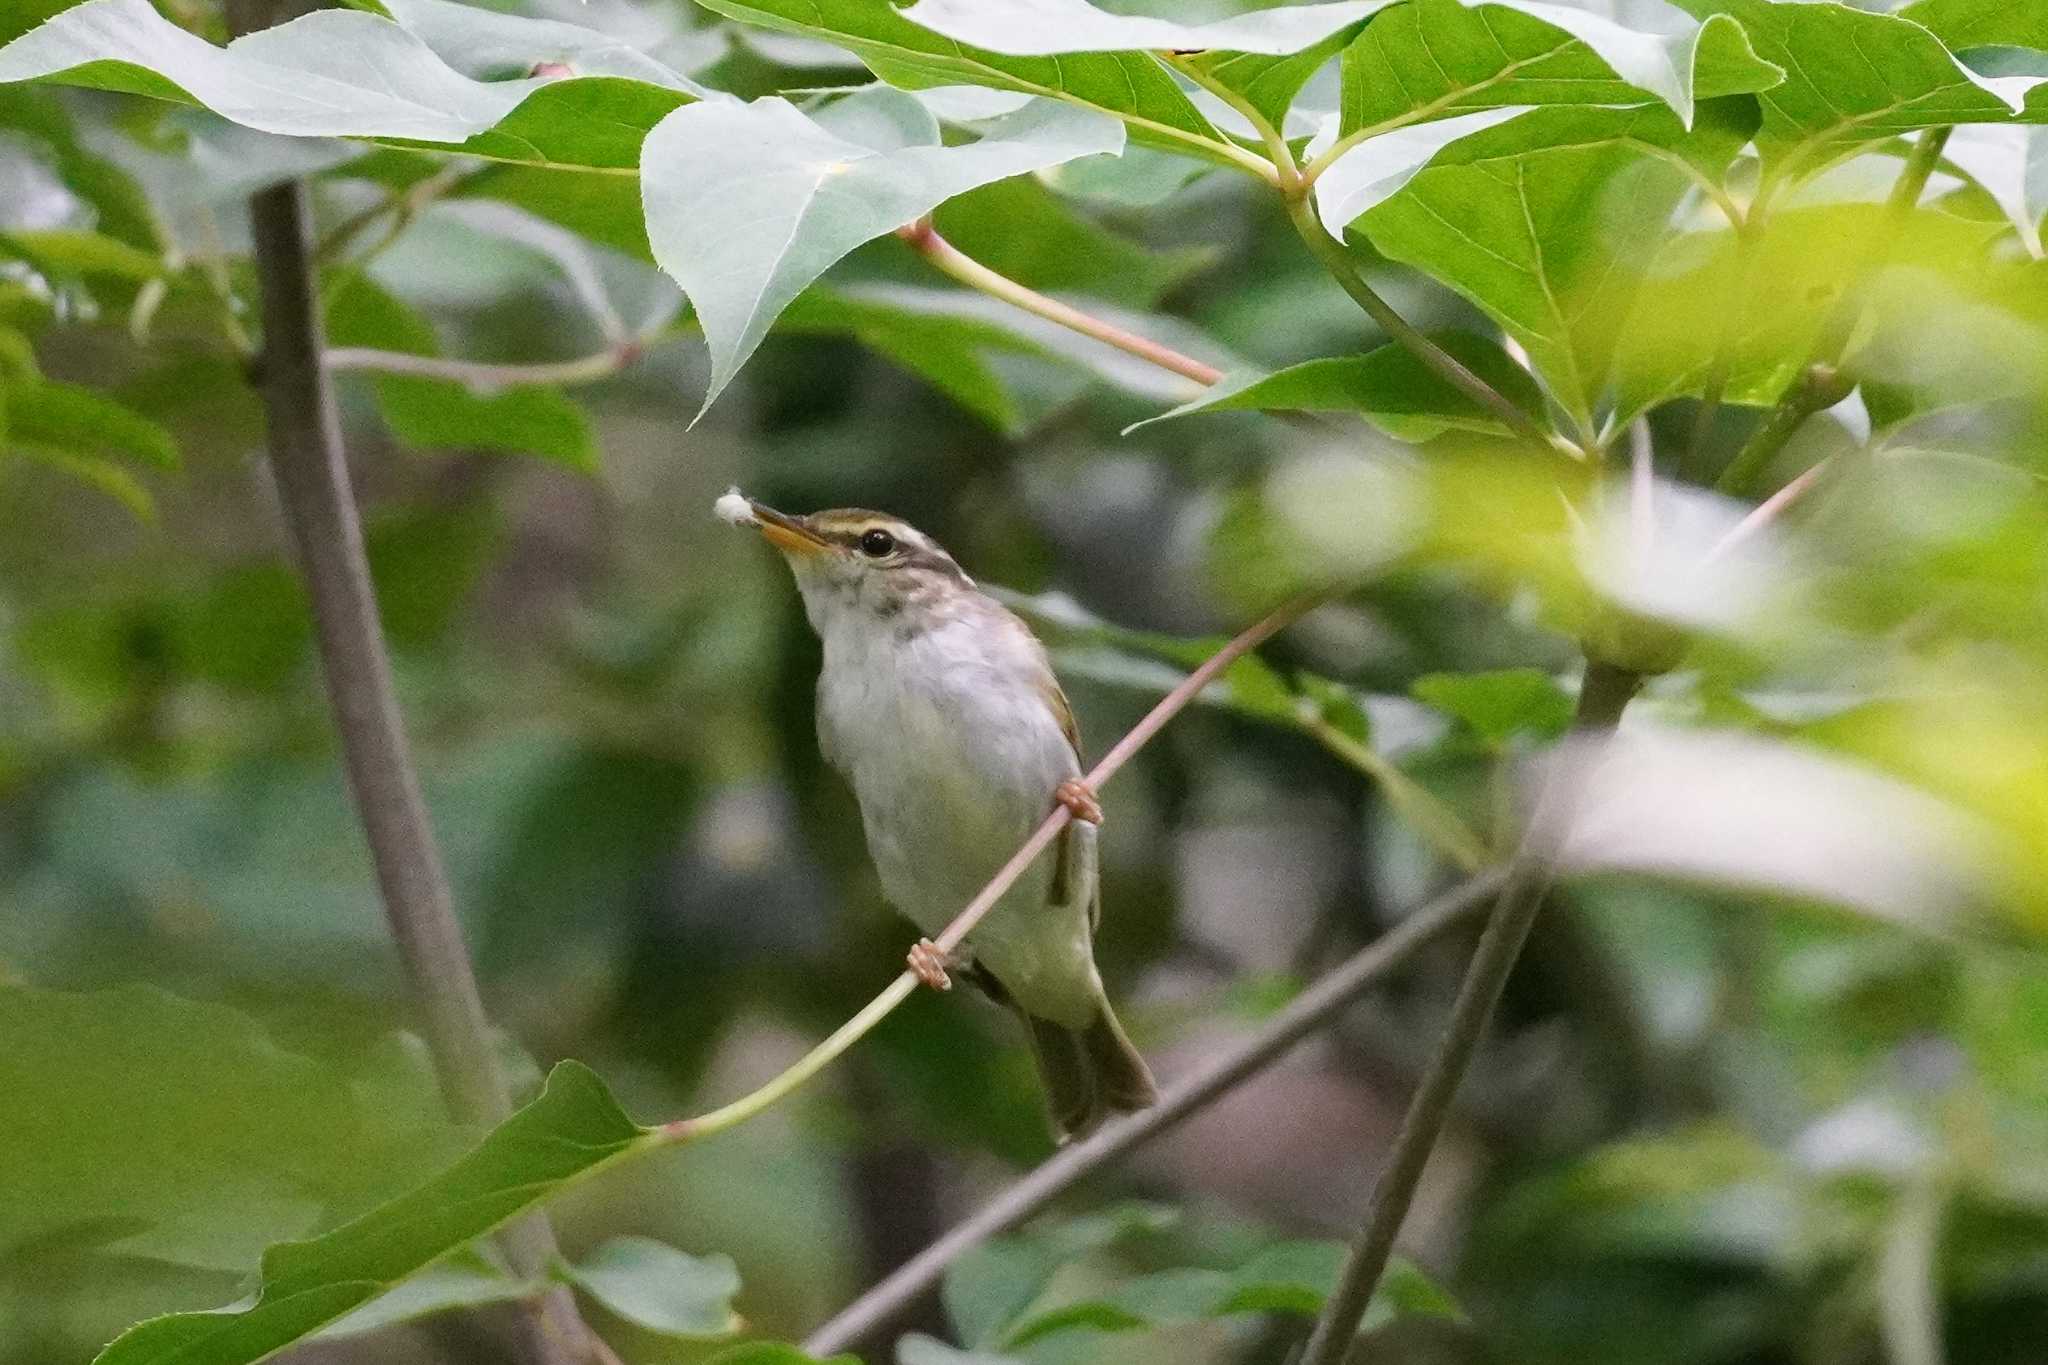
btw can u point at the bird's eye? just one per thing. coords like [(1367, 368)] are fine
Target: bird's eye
[(876, 543)]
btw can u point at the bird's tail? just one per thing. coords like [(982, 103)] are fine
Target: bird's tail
[(1088, 1073)]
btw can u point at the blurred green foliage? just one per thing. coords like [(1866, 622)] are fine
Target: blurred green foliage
[(1772, 1085)]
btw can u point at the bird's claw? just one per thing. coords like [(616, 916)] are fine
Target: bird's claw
[(1079, 798), (928, 964)]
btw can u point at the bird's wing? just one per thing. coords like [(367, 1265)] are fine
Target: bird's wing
[(1056, 700), (1074, 851)]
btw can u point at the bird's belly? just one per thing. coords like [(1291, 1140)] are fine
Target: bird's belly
[(950, 783)]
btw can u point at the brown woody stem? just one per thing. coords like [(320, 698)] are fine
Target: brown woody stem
[(1603, 696)]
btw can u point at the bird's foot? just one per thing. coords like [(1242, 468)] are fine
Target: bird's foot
[(1079, 798), (928, 964)]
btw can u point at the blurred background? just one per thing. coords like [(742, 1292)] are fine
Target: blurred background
[(1771, 1086)]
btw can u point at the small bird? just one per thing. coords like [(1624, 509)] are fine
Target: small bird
[(940, 708)]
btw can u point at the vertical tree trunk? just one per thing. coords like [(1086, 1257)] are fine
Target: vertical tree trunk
[(304, 438)]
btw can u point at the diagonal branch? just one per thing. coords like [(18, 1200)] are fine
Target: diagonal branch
[(951, 260), (1605, 693), (1312, 1009)]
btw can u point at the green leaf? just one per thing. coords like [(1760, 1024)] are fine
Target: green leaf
[(1374, 170), (1433, 57), (1964, 24), (1856, 78), (989, 1287), (1165, 1298), (1287, 1277), (63, 252), (527, 419), (1546, 222), (393, 84), (1044, 28), (2010, 163), (486, 45), (78, 421), (1133, 86), (119, 208), (655, 1286), (463, 1280), (1389, 386), (115, 482), (919, 1349), (1268, 83), (1291, 1277), (1703, 295), (197, 1183), (748, 204), (774, 1353), (571, 1129), (1405, 1291), (1499, 705)]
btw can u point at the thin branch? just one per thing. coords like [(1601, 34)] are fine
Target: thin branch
[(1770, 509), (304, 438), (402, 208), (1307, 1012), (488, 377), (1447, 367), (1821, 384), (950, 260), (1603, 696), (1819, 387)]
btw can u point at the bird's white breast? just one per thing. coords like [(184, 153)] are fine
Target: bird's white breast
[(953, 751)]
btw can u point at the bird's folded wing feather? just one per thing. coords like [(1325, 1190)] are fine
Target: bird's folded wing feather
[(1076, 842)]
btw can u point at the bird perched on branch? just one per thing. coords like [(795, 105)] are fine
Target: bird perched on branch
[(940, 708)]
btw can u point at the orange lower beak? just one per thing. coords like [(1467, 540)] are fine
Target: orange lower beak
[(792, 535)]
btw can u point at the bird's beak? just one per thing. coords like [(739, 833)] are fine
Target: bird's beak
[(792, 535)]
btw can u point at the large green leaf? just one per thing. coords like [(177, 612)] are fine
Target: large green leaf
[(653, 1285), (2010, 162), (1265, 81), (1131, 85), (1376, 167), (1043, 28), (1710, 305), (573, 1128), (1499, 705), (1545, 223), (1389, 387), (82, 422), (488, 45), (1854, 78), (1966, 24), (748, 204), (152, 1126), (344, 73), (1428, 58)]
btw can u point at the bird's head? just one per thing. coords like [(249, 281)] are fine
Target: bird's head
[(855, 565)]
